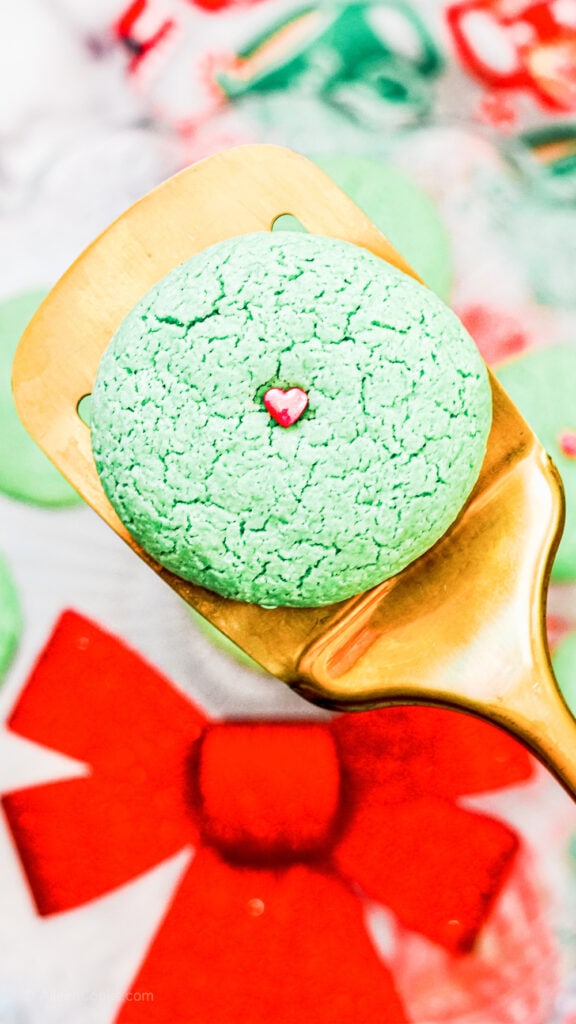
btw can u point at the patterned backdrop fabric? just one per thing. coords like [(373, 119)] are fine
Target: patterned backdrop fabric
[(184, 840)]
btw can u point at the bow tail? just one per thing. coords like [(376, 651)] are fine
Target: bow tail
[(438, 866), (250, 945)]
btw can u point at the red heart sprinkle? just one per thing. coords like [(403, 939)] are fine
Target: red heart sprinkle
[(286, 406)]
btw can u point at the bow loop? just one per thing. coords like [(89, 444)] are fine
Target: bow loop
[(92, 698), (411, 752)]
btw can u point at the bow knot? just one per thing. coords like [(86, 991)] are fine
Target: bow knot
[(268, 791)]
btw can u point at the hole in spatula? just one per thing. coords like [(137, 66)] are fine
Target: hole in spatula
[(84, 409), (287, 222)]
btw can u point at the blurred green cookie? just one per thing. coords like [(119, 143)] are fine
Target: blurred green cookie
[(564, 662), (542, 384), (401, 210), (10, 619), (25, 472)]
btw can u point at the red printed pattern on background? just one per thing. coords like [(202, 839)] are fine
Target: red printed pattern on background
[(143, 24)]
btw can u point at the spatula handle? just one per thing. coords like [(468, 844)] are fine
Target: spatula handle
[(538, 715)]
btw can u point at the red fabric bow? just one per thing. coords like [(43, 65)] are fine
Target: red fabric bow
[(294, 823)]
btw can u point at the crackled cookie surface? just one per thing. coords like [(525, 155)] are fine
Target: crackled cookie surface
[(370, 474)]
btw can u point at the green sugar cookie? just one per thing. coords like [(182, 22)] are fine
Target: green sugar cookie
[(25, 472), (541, 383), (10, 619), (403, 212), (371, 473)]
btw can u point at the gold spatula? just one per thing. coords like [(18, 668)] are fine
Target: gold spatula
[(464, 625)]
